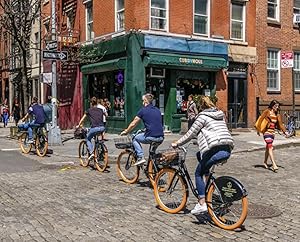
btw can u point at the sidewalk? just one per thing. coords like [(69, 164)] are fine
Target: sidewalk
[(245, 141)]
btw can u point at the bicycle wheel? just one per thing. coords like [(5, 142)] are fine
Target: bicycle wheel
[(125, 167), (83, 153), (41, 145), (101, 157), (23, 141), (226, 215), (170, 190)]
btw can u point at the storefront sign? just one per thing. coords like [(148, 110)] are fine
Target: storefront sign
[(184, 60)]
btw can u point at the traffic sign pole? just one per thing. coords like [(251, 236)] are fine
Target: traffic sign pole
[(54, 137)]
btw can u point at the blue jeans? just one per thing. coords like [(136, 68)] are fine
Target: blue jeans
[(28, 126), (141, 139), (5, 118), (210, 158), (92, 132)]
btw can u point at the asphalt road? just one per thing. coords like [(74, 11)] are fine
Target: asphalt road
[(12, 160)]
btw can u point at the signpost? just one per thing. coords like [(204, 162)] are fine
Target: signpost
[(55, 55), (287, 61)]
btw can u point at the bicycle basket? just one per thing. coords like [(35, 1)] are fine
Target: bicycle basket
[(123, 142), (80, 133), (169, 157)]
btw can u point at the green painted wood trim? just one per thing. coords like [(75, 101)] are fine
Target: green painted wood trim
[(191, 61), (104, 66)]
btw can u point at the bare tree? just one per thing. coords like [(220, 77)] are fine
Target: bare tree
[(17, 19)]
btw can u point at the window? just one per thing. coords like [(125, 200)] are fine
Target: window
[(273, 9), (201, 16), (273, 71), (36, 48), (159, 14), (120, 9), (237, 21), (296, 6), (89, 20), (297, 71)]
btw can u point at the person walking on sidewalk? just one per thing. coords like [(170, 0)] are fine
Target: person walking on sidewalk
[(215, 144), (152, 119), (191, 111), (274, 120), (95, 116), (100, 104)]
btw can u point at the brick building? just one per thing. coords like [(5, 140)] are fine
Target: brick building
[(277, 34), (171, 48)]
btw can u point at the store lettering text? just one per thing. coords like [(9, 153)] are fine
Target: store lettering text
[(190, 61)]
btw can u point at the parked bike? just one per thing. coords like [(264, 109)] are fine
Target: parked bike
[(291, 124), (226, 197)]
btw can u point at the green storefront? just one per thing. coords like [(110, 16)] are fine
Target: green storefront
[(124, 68)]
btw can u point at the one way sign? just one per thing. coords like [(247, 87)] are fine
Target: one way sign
[(55, 55)]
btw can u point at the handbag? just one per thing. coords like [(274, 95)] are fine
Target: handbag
[(263, 124)]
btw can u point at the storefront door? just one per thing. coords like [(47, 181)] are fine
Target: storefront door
[(237, 93)]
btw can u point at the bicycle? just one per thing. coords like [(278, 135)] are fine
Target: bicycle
[(100, 158), (226, 197), (40, 141), (291, 124), (126, 169)]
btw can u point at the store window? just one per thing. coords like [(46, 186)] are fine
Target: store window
[(159, 14), (297, 71), (237, 21), (120, 10), (201, 16), (195, 83), (109, 86), (273, 70), (273, 9)]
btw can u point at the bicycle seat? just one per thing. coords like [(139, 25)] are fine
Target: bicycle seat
[(154, 145)]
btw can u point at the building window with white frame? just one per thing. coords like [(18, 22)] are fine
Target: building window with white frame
[(273, 74), (89, 20), (273, 9), (120, 15), (237, 29), (297, 70), (201, 16), (159, 14)]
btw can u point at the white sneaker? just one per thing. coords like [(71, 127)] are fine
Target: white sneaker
[(140, 161), (30, 141), (91, 156), (199, 209)]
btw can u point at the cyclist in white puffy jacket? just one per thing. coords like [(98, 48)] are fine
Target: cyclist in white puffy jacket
[(215, 144)]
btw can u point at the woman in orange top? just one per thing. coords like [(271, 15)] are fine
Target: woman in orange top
[(274, 121)]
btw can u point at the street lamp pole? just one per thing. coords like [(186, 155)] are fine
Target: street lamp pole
[(54, 137)]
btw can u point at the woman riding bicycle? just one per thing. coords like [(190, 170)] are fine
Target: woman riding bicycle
[(97, 126), (215, 144)]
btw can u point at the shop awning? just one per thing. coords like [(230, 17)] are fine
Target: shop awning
[(189, 61), (103, 66)]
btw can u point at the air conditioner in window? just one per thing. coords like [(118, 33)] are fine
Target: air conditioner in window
[(157, 72), (296, 19)]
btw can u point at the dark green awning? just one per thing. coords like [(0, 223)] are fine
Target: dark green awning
[(190, 61), (103, 66)]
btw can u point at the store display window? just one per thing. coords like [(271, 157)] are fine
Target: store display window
[(195, 83), (109, 86)]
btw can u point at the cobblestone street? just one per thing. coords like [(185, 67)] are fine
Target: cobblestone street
[(80, 204)]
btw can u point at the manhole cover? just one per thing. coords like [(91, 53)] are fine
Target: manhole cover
[(262, 211)]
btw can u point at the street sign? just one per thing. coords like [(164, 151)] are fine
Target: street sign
[(55, 55), (51, 45), (287, 59)]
